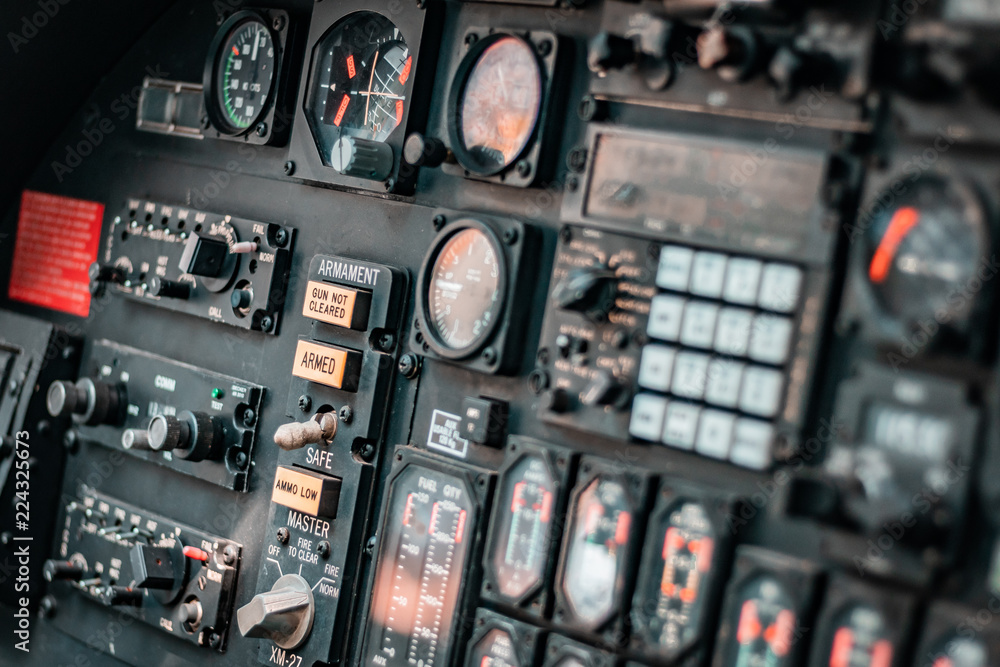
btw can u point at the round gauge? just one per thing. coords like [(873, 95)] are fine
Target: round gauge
[(596, 552), (240, 73), (924, 252), (525, 522), (359, 82), (860, 639), (463, 287), (496, 106)]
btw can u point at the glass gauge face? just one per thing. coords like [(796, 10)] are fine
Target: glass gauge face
[(499, 105), (957, 651), (496, 649), (596, 554), (358, 85), (924, 250), (860, 639), (244, 74), (464, 290), (525, 503), (684, 549), (765, 625), (420, 569)]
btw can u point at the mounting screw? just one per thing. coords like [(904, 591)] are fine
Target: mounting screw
[(283, 535), (249, 417), (346, 414), (409, 366), (510, 235), (205, 122), (323, 549), (523, 168), (576, 159), (565, 234), (289, 168), (241, 460), (471, 39), (370, 546), (490, 356), (305, 403), (215, 640), (572, 183), (591, 108), (367, 451), (266, 323), (47, 606), (261, 129), (71, 441), (544, 48), (385, 341), (279, 22), (229, 554), (439, 221), (281, 236)]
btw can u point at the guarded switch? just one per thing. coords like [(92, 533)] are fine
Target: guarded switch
[(284, 614), (322, 428)]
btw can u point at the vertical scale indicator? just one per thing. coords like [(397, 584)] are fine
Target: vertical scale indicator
[(765, 626), (526, 503), (426, 539)]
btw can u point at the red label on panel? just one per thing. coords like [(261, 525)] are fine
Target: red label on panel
[(350, 67), (56, 242), (340, 112), (405, 74)]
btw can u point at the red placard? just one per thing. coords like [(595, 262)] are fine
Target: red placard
[(56, 242)]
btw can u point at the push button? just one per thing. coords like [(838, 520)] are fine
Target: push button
[(306, 491), (337, 305), (326, 364)]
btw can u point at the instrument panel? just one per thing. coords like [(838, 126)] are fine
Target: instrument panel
[(511, 334)]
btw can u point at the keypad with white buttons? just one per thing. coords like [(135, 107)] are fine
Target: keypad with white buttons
[(721, 329)]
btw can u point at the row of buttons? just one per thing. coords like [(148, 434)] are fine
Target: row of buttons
[(720, 381), (715, 433), (740, 280), (763, 337)]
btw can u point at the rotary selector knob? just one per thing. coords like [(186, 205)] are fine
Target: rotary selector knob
[(362, 158), (284, 614), (194, 436), (88, 401), (589, 291)]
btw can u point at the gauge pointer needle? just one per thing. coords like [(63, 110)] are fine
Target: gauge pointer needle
[(903, 220), (371, 79)]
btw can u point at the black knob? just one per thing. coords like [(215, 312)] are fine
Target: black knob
[(190, 613), (603, 389), (204, 255), (65, 570), (89, 401), (159, 568), (555, 400), (588, 291), (106, 273), (169, 289), (608, 51), (732, 52), (121, 596), (422, 151), (194, 436), (240, 299)]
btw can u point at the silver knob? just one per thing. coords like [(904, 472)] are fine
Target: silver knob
[(362, 158), (284, 614)]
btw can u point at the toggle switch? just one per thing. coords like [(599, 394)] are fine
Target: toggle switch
[(64, 570), (321, 428), (168, 289)]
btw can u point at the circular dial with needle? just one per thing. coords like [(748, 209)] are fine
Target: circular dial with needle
[(464, 290), (925, 248), (359, 82), (243, 75)]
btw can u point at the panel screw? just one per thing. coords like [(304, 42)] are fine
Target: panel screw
[(214, 640), (346, 414), (305, 403), (204, 122), (323, 549), (386, 341), (510, 235), (370, 545), (367, 451), (490, 356), (591, 108), (289, 168), (544, 47), (565, 234), (281, 236), (229, 554), (409, 366), (439, 221), (576, 159), (241, 460), (523, 168), (471, 39), (266, 323), (71, 441), (249, 417), (261, 129), (283, 535), (279, 22), (47, 606)]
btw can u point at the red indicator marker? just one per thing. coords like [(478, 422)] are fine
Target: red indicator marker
[(407, 510), (749, 626), (236, 51), (399, 111), (705, 548), (546, 507), (882, 653), (405, 74), (350, 66), (517, 501), (340, 112), (840, 653), (460, 529), (622, 528), (781, 641), (594, 514), (194, 553), (434, 519), (900, 225)]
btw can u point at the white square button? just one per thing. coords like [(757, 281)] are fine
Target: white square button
[(665, 314), (708, 273), (723, 387), (681, 425), (656, 367), (780, 285), (771, 339), (742, 280), (698, 328), (752, 444), (648, 411), (715, 433), (690, 374), (732, 335), (674, 268), (760, 393)]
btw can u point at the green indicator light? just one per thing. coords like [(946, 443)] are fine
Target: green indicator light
[(217, 393)]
